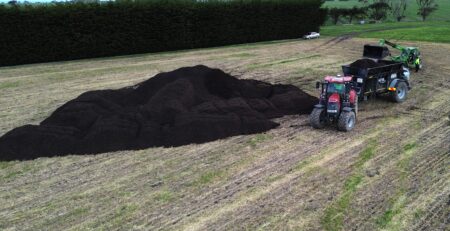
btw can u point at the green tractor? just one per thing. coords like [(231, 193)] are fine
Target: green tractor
[(410, 56)]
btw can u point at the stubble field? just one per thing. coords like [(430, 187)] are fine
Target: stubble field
[(390, 173)]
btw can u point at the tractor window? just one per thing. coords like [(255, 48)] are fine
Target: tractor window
[(336, 88), (405, 55)]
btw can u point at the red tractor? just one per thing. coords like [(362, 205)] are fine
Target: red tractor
[(338, 103), (365, 78)]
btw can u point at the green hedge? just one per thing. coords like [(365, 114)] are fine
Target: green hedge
[(74, 31)]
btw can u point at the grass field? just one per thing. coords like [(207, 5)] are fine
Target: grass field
[(443, 12), (433, 31), (390, 173)]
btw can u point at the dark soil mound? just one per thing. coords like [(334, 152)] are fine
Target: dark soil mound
[(188, 105), (365, 63)]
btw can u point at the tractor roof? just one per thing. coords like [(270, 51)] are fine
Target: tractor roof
[(334, 79)]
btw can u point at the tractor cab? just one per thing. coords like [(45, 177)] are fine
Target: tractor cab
[(408, 55), (337, 84)]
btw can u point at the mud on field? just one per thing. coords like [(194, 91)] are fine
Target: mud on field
[(391, 172)]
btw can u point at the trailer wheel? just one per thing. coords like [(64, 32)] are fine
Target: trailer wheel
[(318, 118), (347, 121), (400, 94)]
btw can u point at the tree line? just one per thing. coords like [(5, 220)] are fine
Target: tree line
[(379, 10), (65, 31)]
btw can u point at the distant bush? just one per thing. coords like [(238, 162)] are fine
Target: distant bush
[(54, 32)]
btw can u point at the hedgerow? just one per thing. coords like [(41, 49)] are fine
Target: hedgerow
[(54, 32)]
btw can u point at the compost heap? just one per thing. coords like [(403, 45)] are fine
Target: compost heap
[(365, 63), (188, 105)]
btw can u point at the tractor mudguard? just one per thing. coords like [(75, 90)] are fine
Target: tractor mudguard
[(347, 109), (396, 81), (406, 74), (319, 106)]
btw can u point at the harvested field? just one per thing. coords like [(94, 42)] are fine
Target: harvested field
[(390, 172)]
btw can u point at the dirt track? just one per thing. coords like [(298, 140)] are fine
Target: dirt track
[(390, 173)]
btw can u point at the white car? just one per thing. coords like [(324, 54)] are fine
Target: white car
[(311, 35)]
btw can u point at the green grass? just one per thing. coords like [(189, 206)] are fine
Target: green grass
[(410, 146), (302, 165), (273, 178), (334, 215), (337, 30), (125, 210), (14, 173), (9, 84), (414, 31), (259, 138), (435, 29), (386, 218), (209, 177), (408, 151), (242, 55), (428, 32), (164, 196), (366, 155), (6, 164), (398, 202), (397, 205), (419, 213), (352, 182), (442, 13), (77, 212), (333, 218)]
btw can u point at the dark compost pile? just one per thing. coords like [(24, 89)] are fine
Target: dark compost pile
[(188, 105), (365, 63)]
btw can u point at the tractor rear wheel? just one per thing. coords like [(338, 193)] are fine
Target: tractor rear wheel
[(400, 93), (347, 121), (318, 118)]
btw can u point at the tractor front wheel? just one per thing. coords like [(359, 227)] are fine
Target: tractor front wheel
[(318, 118), (400, 93), (347, 121)]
